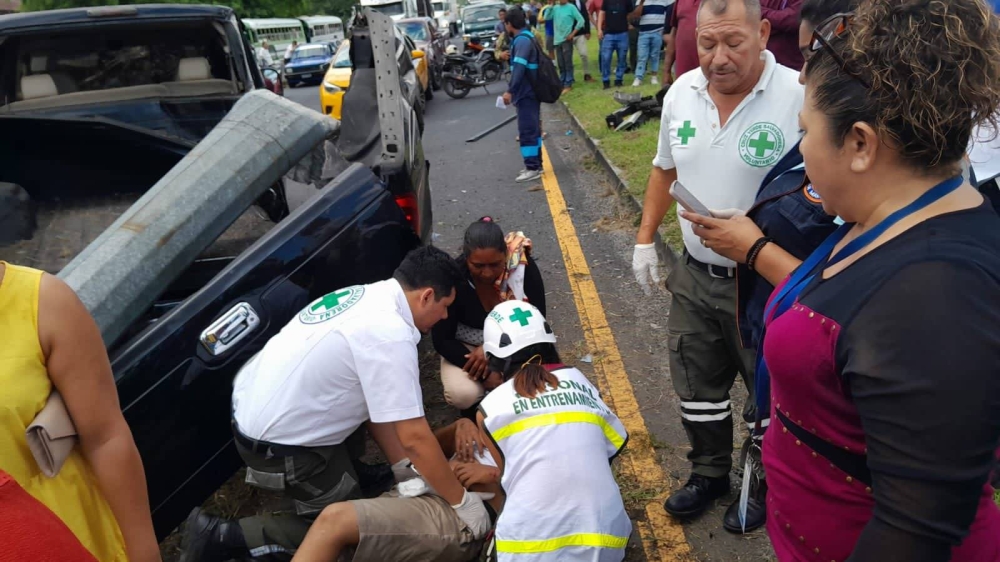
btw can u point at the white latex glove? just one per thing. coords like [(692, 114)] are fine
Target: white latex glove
[(645, 266), (727, 213), (403, 471), (473, 513)]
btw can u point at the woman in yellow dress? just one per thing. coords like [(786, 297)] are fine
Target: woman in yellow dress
[(48, 341)]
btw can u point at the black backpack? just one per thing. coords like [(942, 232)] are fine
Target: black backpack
[(546, 83)]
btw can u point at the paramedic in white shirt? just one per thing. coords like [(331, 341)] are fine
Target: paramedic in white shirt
[(723, 127), (264, 55), (349, 359), (553, 440)]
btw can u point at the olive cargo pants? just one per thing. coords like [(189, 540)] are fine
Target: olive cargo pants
[(312, 477), (705, 356)]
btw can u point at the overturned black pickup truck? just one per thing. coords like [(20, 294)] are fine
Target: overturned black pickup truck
[(96, 105)]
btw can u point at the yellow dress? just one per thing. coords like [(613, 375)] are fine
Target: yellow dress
[(73, 495)]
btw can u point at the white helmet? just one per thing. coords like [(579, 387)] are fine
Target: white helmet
[(513, 326), (451, 50)]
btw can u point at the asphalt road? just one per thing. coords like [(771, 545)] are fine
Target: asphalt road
[(470, 180)]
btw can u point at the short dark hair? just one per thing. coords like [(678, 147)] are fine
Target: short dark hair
[(516, 18), (484, 233), (815, 12), (429, 267)]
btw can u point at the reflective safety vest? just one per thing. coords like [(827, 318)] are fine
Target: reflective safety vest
[(562, 499)]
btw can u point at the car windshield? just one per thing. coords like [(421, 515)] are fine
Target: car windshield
[(394, 9), (309, 51), (481, 15), (416, 30), (343, 58)]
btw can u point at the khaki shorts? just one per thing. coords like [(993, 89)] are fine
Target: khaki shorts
[(422, 529)]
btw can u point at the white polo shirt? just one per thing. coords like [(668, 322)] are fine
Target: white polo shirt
[(723, 166), (348, 357)]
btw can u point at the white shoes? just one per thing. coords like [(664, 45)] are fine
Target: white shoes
[(636, 83), (528, 175), (654, 81)]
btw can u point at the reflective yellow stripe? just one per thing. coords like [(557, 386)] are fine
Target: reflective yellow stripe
[(594, 540), (560, 418)]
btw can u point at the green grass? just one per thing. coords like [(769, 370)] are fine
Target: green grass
[(631, 152)]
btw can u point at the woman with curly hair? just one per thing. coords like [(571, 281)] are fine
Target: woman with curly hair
[(883, 345)]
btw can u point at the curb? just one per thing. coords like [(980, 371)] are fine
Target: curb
[(667, 255)]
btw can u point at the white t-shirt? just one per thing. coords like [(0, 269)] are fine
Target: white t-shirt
[(724, 166), (288, 52), (264, 57), (348, 357)]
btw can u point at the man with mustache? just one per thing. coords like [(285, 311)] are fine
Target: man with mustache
[(724, 125)]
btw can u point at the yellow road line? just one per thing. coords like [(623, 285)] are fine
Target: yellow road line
[(662, 537)]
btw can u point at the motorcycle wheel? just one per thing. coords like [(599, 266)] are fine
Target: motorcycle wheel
[(454, 90), (492, 71)]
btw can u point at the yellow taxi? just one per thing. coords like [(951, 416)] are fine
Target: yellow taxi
[(338, 76)]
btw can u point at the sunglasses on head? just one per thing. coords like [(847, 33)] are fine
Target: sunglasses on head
[(827, 31)]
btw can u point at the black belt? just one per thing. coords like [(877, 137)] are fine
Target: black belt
[(716, 271), (853, 464), (261, 447)]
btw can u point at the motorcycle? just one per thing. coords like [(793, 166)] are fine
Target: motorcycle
[(462, 73)]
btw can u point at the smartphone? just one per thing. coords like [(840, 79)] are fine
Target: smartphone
[(687, 200)]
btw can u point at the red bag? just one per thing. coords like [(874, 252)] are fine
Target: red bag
[(30, 531)]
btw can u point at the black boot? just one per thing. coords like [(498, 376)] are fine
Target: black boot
[(374, 479), (618, 83), (696, 495), (756, 510), (607, 85), (211, 539)]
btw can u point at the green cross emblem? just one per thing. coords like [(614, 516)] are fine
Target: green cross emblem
[(686, 132), (521, 315), (761, 144), (329, 301), (329, 306)]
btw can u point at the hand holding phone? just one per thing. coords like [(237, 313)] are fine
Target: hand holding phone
[(685, 199)]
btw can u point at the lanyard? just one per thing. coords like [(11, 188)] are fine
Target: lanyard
[(804, 274)]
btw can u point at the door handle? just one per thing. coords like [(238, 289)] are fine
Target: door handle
[(236, 324)]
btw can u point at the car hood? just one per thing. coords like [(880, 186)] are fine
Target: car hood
[(340, 77), (311, 61)]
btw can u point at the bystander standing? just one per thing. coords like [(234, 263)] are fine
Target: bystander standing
[(723, 127), (784, 41), (568, 22), (523, 64), (682, 44), (612, 24), (582, 38), (655, 14)]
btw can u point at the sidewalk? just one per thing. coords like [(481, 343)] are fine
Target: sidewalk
[(632, 151)]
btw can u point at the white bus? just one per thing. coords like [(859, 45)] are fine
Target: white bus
[(278, 32), (323, 29)]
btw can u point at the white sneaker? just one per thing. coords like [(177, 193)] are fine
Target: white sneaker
[(528, 175), (636, 83), (654, 81)]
